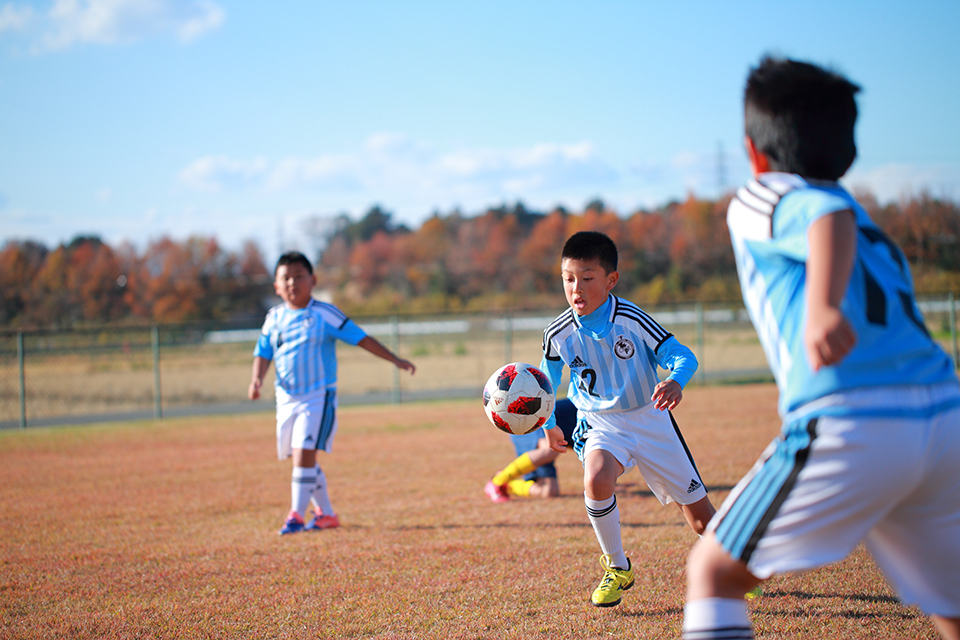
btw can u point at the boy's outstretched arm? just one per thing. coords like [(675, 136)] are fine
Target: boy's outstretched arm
[(375, 347), (828, 336), (260, 366)]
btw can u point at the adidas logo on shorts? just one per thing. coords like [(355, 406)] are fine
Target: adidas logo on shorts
[(694, 485)]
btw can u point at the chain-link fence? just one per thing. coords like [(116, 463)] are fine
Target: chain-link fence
[(109, 373)]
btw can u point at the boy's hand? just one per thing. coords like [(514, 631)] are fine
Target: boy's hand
[(667, 395), (406, 365), (828, 336), (555, 439), (254, 391)]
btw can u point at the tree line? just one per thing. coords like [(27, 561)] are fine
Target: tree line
[(505, 258)]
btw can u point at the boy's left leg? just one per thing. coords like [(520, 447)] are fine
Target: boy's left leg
[(698, 514), (716, 586), (324, 515)]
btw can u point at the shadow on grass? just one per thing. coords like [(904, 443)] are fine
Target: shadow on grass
[(903, 614), (646, 493), (669, 612), (512, 525)]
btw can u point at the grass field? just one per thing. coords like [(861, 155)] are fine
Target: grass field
[(168, 530)]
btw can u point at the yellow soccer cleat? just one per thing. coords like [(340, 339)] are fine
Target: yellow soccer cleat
[(614, 583)]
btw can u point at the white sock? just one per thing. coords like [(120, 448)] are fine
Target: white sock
[(320, 495), (302, 482), (714, 618), (605, 518)]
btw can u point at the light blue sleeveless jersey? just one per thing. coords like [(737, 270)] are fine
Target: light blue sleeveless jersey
[(613, 355), (302, 345), (768, 221)]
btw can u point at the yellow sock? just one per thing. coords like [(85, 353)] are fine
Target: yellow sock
[(519, 467), (520, 487)]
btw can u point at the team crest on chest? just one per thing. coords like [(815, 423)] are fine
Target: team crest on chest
[(624, 348)]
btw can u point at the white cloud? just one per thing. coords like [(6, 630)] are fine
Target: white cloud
[(891, 182), (214, 173), (13, 18), (394, 166), (208, 18), (107, 22)]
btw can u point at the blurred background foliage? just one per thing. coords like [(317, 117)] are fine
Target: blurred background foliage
[(503, 259)]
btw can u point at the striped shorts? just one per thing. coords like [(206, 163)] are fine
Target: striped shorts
[(873, 465)]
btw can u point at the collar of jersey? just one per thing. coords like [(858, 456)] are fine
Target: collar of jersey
[(596, 324)]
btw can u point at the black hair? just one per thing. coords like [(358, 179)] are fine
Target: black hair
[(801, 117), (294, 257), (591, 245)]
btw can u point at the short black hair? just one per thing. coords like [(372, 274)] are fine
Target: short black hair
[(591, 245), (293, 257), (801, 117)]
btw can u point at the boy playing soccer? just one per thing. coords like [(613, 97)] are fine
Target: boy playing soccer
[(612, 349), (534, 462), (870, 403), (300, 336)]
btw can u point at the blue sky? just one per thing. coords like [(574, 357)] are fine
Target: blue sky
[(135, 119)]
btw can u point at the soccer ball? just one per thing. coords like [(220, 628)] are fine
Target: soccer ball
[(518, 398)]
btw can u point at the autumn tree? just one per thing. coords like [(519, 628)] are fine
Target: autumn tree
[(19, 264)]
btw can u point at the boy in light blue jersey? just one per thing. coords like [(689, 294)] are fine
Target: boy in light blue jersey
[(870, 403), (613, 349), (533, 473), (299, 337)]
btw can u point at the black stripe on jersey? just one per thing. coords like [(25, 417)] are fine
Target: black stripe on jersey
[(763, 193), (562, 321), (799, 462), (626, 309), (331, 309), (742, 197)]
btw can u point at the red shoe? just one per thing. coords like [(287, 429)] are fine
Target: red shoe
[(321, 521), (496, 492)]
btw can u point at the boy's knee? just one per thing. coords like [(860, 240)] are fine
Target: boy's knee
[(598, 487)]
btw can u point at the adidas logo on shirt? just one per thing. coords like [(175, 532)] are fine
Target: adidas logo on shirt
[(694, 485), (577, 362)]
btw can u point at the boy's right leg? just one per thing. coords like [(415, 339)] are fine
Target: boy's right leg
[(303, 480), (600, 472)]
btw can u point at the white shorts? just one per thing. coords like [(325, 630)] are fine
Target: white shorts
[(306, 422), (831, 480), (648, 439)]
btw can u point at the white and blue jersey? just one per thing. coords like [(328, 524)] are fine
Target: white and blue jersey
[(302, 345), (613, 355), (768, 222)]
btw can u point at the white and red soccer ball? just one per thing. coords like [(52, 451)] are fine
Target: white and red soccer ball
[(518, 398)]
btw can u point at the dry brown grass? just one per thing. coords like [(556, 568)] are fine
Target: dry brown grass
[(168, 530)]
